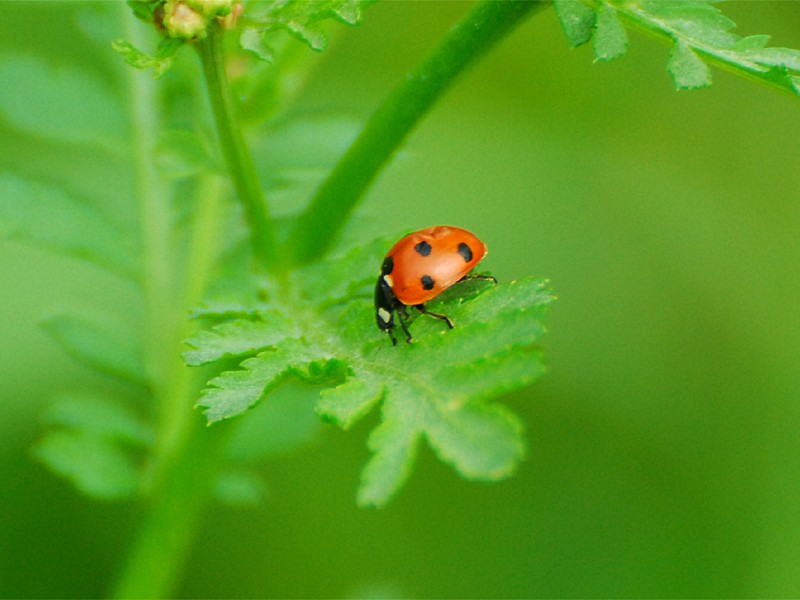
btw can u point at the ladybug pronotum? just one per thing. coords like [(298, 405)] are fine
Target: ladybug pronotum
[(420, 267)]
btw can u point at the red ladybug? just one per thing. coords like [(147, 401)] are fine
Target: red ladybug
[(420, 267)]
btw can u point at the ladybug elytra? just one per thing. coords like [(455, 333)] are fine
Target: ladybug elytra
[(420, 267)]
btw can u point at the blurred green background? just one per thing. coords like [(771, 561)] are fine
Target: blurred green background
[(663, 443)]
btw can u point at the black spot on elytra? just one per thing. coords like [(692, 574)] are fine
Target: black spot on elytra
[(465, 252), (387, 266), (427, 282), (423, 248)]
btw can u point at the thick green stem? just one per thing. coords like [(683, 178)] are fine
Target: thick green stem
[(385, 131), (185, 459), (240, 164), (188, 460), (171, 520)]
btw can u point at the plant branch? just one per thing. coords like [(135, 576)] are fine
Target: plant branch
[(387, 128), (240, 163), (177, 490)]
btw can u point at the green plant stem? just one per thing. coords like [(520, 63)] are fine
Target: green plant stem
[(240, 163), (189, 459), (171, 520), (485, 25), (186, 456)]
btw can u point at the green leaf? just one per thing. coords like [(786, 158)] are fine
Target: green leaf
[(254, 40), (577, 20), (784, 58), (699, 32), (160, 61), (347, 403), (348, 11), (98, 467), (438, 389), (183, 153), (294, 155), (238, 338), (313, 38), (145, 9), (299, 18), (90, 443), (234, 392), (686, 68), (37, 107), (610, 39), (102, 344), (697, 20), (752, 42), (51, 218), (99, 416)]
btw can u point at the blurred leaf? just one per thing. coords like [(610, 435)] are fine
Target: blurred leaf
[(240, 488), (686, 68), (610, 39), (313, 38), (59, 103), (105, 346), (577, 19), (491, 351), (97, 466), (349, 11), (294, 156), (254, 40), (306, 142), (752, 42), (160, 61), (183, 153), (91, 442), (50, 217), (698, 30), (99, 416), (297, 17), (785, 58)]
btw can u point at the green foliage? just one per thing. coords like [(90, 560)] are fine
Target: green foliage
[(155, 214), (51, 217), (99, 215), (300, 18), (160, 60), (322, 330), (95, 442), (106, 346), (265, 23), (697, 30), (94, 116)]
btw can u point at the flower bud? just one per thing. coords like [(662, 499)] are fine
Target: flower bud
[(212, 8), (181, 21)]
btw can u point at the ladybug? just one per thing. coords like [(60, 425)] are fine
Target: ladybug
[(420, 267)]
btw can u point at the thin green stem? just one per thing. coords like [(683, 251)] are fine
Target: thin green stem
[(240, 163), (387, 128)]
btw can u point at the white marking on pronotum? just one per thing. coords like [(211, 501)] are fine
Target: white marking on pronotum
[(384, 314), (389, 281)]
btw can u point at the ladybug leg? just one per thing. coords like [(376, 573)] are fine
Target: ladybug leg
[(421, 308), (390, 331), (402, 315)]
